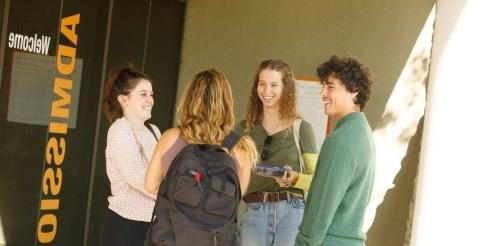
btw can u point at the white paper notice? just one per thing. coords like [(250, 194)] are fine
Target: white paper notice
[(31, 89), (311, 107)]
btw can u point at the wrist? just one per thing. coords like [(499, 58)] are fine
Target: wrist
[(295, 177)]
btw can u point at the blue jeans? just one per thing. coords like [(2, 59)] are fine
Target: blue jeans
[(274, 223)]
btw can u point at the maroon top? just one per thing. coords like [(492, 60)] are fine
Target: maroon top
[(171, 153), (169, 156)]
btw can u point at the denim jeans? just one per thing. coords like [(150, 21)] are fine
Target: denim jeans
[(274, 223)]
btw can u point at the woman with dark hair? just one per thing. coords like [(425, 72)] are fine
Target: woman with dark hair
[(128, 101), (275, 206)]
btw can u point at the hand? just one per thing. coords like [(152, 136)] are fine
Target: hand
[(289, 178)]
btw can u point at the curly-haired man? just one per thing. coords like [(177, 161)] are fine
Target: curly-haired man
[(343, 180)]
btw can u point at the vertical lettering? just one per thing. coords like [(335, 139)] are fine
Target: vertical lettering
[(58, 109), (69, 52), (47, 221), (52, 147), (70, 33), (49, 204), (56, 127), (52, 182), (56, 146)]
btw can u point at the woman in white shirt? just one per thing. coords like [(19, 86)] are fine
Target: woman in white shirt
[(128, 101)]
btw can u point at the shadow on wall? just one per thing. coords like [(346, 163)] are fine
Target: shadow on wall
[(393, 198), (394, 215), (397, 139)]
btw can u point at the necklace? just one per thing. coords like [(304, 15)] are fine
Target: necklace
[(139, 146)]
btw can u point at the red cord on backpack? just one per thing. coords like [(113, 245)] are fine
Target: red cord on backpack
[(196, 176)]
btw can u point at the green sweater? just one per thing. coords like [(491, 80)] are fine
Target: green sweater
[(341, 186)]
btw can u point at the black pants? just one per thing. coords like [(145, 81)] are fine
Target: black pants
[(118, 231)]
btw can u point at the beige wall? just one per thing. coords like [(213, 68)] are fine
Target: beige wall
[(234, 36)]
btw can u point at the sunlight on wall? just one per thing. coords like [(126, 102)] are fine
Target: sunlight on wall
[(403, 111), (2, 235), (457, 193)]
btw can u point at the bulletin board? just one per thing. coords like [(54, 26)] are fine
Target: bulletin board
[(311, 107)]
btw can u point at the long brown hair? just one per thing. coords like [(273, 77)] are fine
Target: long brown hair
[(287, 102), (121, 80), (205, 111)]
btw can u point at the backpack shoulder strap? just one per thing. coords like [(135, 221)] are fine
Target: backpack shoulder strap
[(150, 128), (296, 136), (230, 140)]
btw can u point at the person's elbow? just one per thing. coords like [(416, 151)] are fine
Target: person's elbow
[(150, 186), (151, 190)]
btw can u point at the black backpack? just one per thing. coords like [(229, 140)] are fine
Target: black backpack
[(198, 199)]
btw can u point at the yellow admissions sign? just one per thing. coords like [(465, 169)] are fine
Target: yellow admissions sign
[(58, 127)]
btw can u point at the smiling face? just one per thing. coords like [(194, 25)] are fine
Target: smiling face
[(269, 88), (337, 100), (138, 103)]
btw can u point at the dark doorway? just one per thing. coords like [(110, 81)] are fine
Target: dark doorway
[(147, 34)]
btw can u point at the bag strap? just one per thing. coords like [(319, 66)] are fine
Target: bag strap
[(230, 140), (150, 128), (296, 136)]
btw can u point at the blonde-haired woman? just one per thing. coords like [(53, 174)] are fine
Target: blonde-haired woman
[(205, 115), (275, 206)]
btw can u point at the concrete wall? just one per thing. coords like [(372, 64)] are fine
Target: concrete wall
[(457, 193), (234, 36)]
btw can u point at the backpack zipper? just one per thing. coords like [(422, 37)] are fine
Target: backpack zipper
[(214, 237)]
